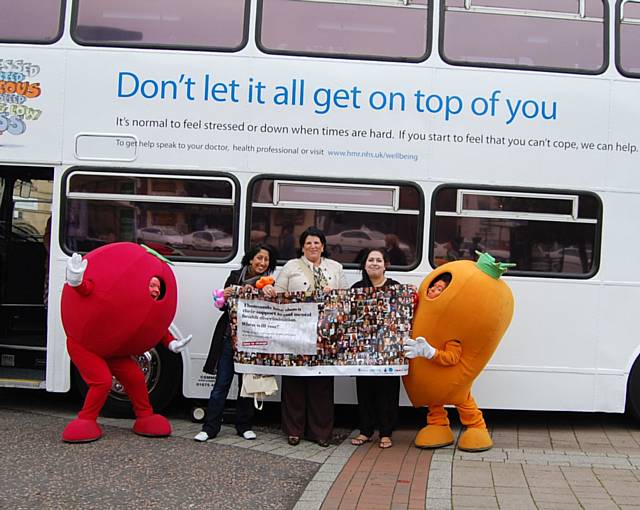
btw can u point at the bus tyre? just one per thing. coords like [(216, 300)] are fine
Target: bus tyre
[(633, 391), (197, 414), (163, 373)]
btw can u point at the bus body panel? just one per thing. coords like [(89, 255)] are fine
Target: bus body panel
[(39, 103), (579, 113), (572, 341), (58, 362)]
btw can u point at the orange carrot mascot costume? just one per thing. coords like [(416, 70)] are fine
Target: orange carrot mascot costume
[(456, 334)]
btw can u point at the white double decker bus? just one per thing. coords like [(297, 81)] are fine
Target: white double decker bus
[(433, 128)]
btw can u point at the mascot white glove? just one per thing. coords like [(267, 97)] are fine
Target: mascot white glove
[(418, 348), (179, 345), (75, 270)]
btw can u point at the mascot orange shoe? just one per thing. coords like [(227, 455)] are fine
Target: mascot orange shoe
[(122, 307), (462, 313)]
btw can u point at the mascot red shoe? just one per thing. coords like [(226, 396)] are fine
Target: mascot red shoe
[(118, 302), (462, 313)]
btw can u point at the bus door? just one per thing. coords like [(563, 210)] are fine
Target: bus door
[(25, 220)]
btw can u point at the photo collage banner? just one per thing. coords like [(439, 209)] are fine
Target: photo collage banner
[(342, 332)]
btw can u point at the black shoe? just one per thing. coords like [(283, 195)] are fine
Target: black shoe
[(323, 442), (293, 440)]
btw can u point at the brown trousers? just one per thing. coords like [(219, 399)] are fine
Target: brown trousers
[(307, 401)]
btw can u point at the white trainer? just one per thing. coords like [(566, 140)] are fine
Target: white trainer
[(249, 434), (201, 436)]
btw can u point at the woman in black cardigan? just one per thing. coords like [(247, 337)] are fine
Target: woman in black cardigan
[(378, 395), (257, 262)]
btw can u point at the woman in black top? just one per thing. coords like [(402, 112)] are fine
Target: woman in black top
[(259, 261), (378, 396)]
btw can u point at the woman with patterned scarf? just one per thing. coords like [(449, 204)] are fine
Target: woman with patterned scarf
[(307, 401)]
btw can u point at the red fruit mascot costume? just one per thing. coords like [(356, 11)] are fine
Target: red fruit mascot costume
[(463, 311), (118, 302)]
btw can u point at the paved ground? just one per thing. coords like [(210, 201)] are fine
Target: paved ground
[(540, 461), (379, 479), (547, 461), (124, 470)]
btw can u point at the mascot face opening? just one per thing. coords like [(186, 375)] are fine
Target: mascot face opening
[(132, 303), (156, 288), (438, 285)]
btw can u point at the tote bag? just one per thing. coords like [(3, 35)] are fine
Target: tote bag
[(258, 387)]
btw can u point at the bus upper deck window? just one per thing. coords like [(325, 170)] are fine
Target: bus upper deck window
[(628, 28), (374, 30), (19, 24), (198, 24), (560, 35)]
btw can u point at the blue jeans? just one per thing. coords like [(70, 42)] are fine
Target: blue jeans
[(215, 407)]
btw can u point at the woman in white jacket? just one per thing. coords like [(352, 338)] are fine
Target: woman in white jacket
[(308, 400)]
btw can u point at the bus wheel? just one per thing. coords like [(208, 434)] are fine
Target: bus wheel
[(163, 375), (633, 391), (198, 414)]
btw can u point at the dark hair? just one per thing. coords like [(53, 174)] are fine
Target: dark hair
[(364, 255), (444, 277), (316, 232), (253, 251)]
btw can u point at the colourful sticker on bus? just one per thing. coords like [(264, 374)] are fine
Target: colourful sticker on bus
[(17, 87)]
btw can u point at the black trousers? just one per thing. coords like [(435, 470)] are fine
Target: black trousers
[(378, 401), (307, 405)]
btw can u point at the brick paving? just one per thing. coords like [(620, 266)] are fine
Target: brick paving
[(376, 478), (573, 462), (581, 462)]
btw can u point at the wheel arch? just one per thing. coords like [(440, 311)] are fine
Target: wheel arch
[(632, 393)]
